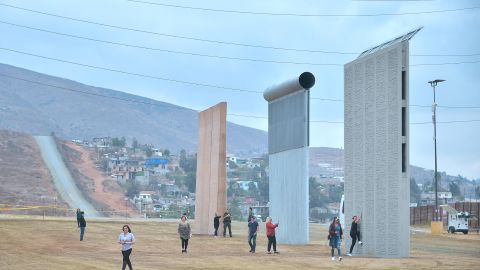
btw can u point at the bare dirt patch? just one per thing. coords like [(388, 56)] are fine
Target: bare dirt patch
[(24, 179), (106, 192), (54, 244)]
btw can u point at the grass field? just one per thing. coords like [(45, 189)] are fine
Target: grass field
[(30, 243)]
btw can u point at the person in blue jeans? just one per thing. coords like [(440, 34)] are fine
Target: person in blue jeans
[(83, 224), (335, 236), (252, 233)]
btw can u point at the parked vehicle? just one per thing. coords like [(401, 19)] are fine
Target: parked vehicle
[(457, 221)]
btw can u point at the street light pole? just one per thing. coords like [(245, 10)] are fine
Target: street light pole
[(434, 120)]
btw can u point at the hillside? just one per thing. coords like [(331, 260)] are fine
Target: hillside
[(25, 179), (76, 111)]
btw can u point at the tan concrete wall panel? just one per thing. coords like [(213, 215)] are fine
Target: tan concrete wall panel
[(211, 186)]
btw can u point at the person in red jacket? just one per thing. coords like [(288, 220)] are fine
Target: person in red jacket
[(271, 235)]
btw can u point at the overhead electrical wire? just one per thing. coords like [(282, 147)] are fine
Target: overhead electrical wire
[(207, 40), (171, 51), (181, 81), (231, 114), (132, 73), (304, 14)]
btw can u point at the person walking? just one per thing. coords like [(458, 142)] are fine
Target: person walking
[(79, 215), (335, 236), (184, 232), (270, 227), (216, 224), (355, 233), (126, 239), (83, 224), (252, 233), (227, 223)]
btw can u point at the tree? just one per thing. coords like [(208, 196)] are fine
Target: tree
[(315, 198), (166, 152), (191, 181), (232, 165), (477, 192), (414, 191), (235, 211), (116, 142), (132, 189), (454, 189), (134, 144)]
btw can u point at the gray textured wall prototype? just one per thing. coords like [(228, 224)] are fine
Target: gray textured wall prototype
[(376, 132)]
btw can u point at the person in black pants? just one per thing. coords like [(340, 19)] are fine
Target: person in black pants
[(270, 228), (126, 239), (216, 224), (355, 233), (82, 223), (252, 234), (227, 223)]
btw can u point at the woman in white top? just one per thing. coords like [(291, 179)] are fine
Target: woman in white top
[(126, 239)]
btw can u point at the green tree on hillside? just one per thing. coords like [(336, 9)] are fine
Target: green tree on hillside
[(414, 191), (454, 189)]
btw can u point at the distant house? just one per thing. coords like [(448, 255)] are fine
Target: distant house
[(245, 185), (428, 198), (157, 165), (146, 196)]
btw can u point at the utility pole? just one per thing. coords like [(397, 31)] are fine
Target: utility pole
[(434, 120)]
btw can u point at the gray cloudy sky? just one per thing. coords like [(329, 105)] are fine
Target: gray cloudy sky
[(444, 33)]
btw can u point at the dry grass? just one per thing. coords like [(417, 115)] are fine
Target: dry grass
[(30, 243)]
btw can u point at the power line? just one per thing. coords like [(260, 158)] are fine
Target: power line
[(132, 73), (184, 82), (302, 15), (444, 64), (231, 114), (171, 51), (207, 40), (448, 122), (139, 74)]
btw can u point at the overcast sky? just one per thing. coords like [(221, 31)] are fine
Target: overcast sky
[(444, 33)]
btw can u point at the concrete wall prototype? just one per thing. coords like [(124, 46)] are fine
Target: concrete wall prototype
[(211, 186), (288, 129), (377, 182)]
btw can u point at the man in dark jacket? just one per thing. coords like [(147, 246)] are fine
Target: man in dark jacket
[(355, 233), (216, 223), (83, 224)]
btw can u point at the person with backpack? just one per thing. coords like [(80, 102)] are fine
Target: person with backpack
[(335, 236)]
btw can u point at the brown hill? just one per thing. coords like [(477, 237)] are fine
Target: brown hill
[(25, 180)]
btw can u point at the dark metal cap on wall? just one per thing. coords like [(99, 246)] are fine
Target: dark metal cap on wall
[(306, 80)]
